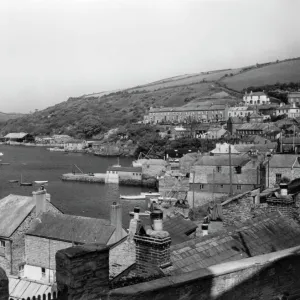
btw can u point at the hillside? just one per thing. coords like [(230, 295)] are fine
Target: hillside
[(283, 72), (8, 116), (90, 115)]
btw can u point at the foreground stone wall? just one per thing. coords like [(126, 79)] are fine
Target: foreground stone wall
[(266, 277), (3, 285)]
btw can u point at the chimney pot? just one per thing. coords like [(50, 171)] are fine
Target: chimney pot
[(283, 189), (204, 228), (40, 201), (157, 219), (116, 219)]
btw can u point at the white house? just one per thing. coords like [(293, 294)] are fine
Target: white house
[(292, 111), (257, 98)]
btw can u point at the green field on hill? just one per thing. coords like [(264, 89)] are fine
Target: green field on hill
[(287, 71)]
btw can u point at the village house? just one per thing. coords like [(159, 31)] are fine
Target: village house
[(75, 146), (293, 97), (117, 174), (216, 133), (223, 148), (240, 111), (43, 140), (19, 137), (248, 129), (269, 147), (256, 98), (61, 138), (289, 144), (53, 232), (282, 165), (17, 214), (255, 118), (292, 111), (233, 123)]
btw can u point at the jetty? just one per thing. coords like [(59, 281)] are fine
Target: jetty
[(92, 178)]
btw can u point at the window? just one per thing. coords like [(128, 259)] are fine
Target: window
[(219, 169), (238, 170), (2, 248), (278, 177), (43, 272), (238, 187), (221, 186), (201, 186), (21, 270)]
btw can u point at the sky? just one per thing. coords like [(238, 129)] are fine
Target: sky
[(54, 49)]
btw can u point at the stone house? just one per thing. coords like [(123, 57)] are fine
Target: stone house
[(255, 118), (282, 165), (19, 137), (292, 111), (223, 148), (152, 167), (216, 133), (233, 123), (55, 232), (75, 146), (289, 144), (18, 213)]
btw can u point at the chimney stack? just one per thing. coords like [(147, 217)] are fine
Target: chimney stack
[(283, 189), (133, 225), (153, 248), (204, 227), (40, 200), (116, 220)]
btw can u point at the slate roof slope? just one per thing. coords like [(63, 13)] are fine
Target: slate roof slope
[(24, 288), (13, 211), (284, 161), (247, 177), (221, 160), (264, 234), (73, 228), (178, 227), (16, 135)]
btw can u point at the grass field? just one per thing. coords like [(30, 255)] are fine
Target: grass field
[(282, 72)]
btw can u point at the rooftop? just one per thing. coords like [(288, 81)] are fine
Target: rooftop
[(293, 94), (16, 135), (73, 228), (13, 210), (264, 234), (221, 160), (284, 161), (255, 94)]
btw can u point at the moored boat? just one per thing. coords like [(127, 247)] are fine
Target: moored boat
[(142, 196)]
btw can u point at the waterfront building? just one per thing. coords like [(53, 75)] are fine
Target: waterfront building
[(19, 137), (117, 174), (256, 98)]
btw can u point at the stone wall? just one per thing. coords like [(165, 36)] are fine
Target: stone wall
[(265, 277), (5, 258), (285, 172), (39, 250), (4, 293), (82, 272)]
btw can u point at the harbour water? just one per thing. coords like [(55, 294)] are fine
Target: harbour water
[(85, 199)]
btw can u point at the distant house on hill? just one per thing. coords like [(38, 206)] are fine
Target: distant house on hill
[(216, 133), (292, 111), (19, 137), (233, 123), (257, 98), (224, 149), (294, 97)]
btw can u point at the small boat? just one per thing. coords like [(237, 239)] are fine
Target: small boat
[(142, 196), (13, 181), (41, 181)]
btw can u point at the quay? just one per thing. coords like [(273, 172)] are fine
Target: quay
[(95, 178)]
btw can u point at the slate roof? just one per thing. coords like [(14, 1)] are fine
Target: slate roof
[(284, 161), (73, 228), (125, 169), (13, 211), (291, 140), (252, 126), (16, 135), (24, 288), (256, 94), (264, 234), (247, 177), (178, 227), (260, 147), (222, 160), (255, 115)]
